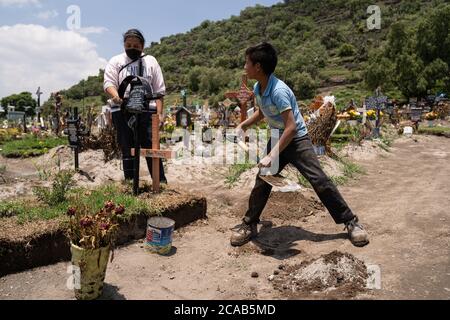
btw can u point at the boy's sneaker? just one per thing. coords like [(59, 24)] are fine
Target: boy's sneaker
[(358, 236), (243, 233)]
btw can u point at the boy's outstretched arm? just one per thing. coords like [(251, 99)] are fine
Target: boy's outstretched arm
[(286, 138)]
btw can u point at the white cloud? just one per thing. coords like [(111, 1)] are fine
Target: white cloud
[(91, 30), (19, 3), (33, 56), (46, 15)]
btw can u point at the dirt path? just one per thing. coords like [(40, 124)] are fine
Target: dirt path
[(403, 201)]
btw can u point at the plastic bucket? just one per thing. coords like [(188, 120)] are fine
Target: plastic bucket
[(159, 235)]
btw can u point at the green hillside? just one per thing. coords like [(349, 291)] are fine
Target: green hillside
[(323, 46)]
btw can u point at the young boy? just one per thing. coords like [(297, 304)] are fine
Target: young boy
[(278, 105)]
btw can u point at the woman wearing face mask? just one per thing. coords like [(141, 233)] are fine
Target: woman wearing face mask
[(118, 68)]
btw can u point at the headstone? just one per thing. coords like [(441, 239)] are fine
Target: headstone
[(75, 131), (408, 131)]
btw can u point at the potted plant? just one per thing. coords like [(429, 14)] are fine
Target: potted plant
[(92, 239), (431, 117)]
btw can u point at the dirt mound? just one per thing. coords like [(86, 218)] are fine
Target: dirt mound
[(287, 206), (335, 275), (291, 206)]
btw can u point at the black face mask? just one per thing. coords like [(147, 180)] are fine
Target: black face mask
[(133, 54)]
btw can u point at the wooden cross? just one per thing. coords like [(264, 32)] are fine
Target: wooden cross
[(363, 110), (244, 95), (155, 153)]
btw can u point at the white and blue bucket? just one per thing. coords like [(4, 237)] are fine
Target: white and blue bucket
[(159, 235)]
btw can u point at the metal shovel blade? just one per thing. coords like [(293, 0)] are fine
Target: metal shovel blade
[(280, 182)]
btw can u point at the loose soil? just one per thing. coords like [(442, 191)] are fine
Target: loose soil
[(402, 201)]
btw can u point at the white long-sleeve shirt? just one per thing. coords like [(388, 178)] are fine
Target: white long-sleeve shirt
[(151, 71)]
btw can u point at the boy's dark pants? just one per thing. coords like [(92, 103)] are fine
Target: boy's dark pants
[(125, 139), (300, 153)]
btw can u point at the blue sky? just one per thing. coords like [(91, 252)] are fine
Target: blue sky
[(38, 49), (155, 18)]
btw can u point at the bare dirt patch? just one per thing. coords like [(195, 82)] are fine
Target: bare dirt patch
[(291, 206)]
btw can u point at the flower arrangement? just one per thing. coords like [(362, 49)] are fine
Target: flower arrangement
[(371, 115), (169, 124), (96, 231), (354, 115), (431, 116)]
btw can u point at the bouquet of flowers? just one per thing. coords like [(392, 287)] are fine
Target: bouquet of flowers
[(371, 115), (354, 115), (94, 231), (169, 125)]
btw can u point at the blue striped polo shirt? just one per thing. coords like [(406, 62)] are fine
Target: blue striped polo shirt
[(278, 98)]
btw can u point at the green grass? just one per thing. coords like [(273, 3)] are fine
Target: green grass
[(30, 146), (341, 138), (235, 171), (345, 94), (339, 145), (303, 182), (433, 130), (350, 171), (27, 211)]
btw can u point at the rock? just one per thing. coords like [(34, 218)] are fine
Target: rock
[(172, 277), (271, 277), (281, 267), (276, 272), (255, 275)]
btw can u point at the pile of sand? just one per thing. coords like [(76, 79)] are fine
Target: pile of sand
[(337, 273)]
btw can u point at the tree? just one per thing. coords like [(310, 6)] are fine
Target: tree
[(194, 78), (347, 50), (410, 80), (433, 36), (21, 102), (399, 41), (379, 71), (304, 85), (310, 58)]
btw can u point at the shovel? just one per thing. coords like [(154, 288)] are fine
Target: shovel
[(277, 181)]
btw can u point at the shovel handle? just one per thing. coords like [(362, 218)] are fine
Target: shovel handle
[(243, 146)]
